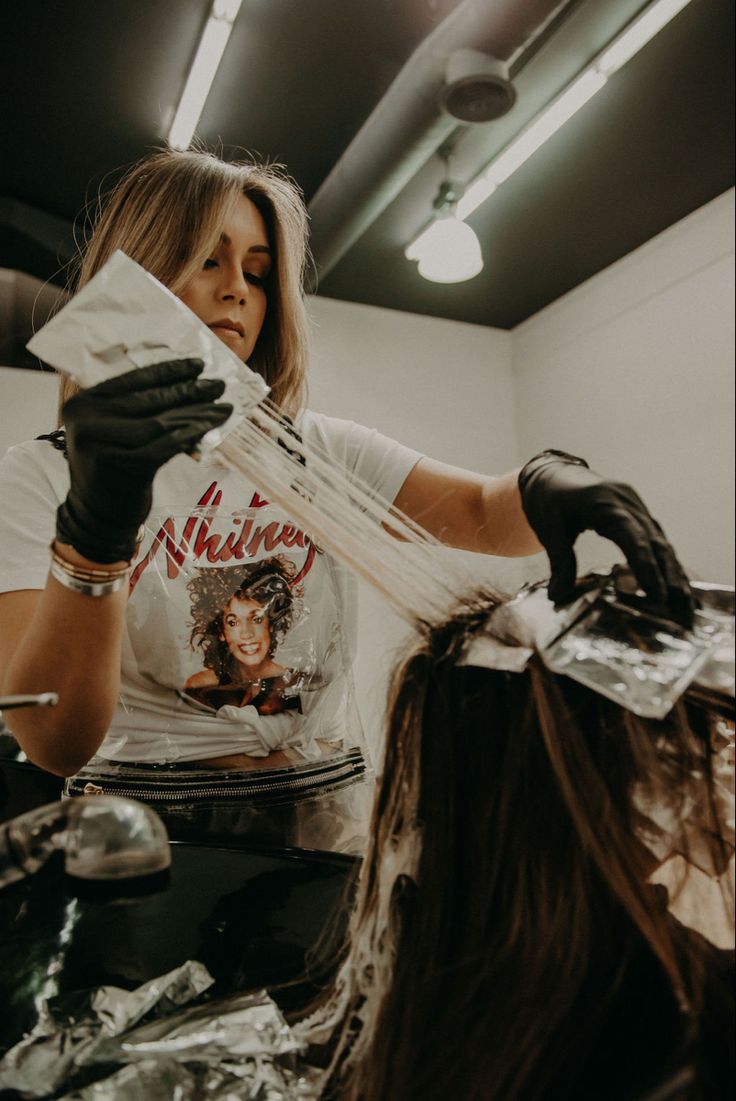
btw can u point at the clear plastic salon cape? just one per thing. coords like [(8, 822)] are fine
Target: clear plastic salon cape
[(239, 628), (238, 641)]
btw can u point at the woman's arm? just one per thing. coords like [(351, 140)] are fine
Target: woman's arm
[(468, 511), (118, 434), (56, 640), (545, 506)]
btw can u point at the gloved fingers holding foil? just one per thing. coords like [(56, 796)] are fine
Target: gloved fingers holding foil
[(646, 549), (118, 434), (149, 391), (562, 498), (141, 442)]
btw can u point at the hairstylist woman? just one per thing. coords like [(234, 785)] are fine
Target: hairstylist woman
[(98, 618)]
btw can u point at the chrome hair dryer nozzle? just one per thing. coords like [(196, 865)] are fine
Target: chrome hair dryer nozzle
[(108, 843)]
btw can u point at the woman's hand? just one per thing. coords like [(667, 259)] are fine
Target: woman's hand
[(118, 435), (562, 497)]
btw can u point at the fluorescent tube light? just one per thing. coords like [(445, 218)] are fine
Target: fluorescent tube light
[(202, 73), (591, 80), (474, 195), (556, 115), (638, 34)]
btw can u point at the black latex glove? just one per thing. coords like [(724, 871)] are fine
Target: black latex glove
[(118, 434), (562, 497)]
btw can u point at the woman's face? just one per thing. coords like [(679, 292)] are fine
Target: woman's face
[(229, 292), (246, 631)]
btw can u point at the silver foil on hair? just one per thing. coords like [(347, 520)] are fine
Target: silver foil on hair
[(616, 647), (125, 318)]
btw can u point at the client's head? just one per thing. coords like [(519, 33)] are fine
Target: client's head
[(506, 938)]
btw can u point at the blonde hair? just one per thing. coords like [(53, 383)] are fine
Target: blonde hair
[(167, 214)]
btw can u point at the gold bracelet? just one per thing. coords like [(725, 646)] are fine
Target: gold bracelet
[(83, 573)]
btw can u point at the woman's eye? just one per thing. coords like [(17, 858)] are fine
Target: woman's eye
[(256, 280), (210, 264)]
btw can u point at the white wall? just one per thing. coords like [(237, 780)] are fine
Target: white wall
[(27, 405), (634, 371), (440, 386), (27, 398)]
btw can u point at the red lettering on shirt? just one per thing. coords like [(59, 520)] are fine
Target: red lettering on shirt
[(245, 540)]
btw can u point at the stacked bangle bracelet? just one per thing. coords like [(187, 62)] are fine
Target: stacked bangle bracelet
[(85, 581)]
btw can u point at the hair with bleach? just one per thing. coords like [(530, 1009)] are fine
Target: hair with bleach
[(167, 214)]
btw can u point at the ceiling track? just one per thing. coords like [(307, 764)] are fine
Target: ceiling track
[(408, 125)]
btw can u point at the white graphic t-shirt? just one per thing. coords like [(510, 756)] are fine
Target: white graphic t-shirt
[(239, 629)]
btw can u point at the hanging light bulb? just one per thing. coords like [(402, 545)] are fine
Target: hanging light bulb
[(449, 251)]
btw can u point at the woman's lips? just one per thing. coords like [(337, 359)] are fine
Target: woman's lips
[(226, 333)]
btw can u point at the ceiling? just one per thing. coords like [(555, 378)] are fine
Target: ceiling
[(344, 92)]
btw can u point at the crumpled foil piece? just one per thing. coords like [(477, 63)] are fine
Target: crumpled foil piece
[(257, 1079), (124, 318), (673, 822), (617, 646), (70, 1027), (238, 1047), (240, 1025)]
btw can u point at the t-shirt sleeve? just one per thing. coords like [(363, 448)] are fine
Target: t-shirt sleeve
[(32, 484), (375, 461)]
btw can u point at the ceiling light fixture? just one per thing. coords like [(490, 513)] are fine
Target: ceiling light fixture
[(450, 251), (202, 73), (590, 81)]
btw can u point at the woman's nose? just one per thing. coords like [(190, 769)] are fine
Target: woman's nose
[(233, 284)]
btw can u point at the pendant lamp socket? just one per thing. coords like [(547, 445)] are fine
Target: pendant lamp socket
[(477, 87)]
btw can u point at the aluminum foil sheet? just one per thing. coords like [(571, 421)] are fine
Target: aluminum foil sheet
[(676, 824), (260, 1079), (93, 1044), (241, 1025), (616, 645), (124, 318), (643, 663), (71, 1026)]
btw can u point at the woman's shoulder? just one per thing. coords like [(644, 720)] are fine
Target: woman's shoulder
[(339, 435), (46, 447), (311, 423), (378, 460), (203, 679), (36, 461)]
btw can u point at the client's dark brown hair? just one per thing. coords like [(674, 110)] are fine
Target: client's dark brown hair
[(531, 957)]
